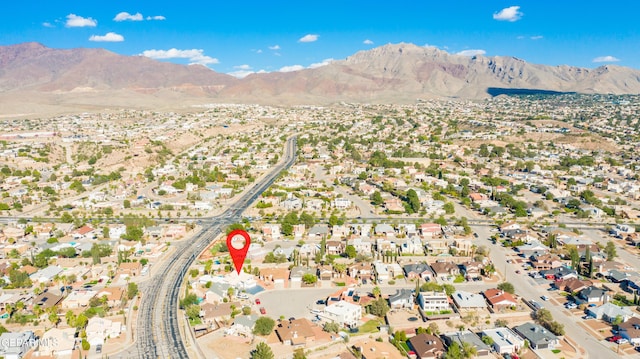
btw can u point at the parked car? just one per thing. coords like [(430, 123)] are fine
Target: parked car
[(614, 338), (263, 311), (622, 341), (258, 301), (544, 297), (571, 305)]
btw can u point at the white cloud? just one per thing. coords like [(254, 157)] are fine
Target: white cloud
[(47, 24), (520, 37), (320, 64), (537, 37), (367, 42), (607, 58), (291, 68), (74, 20), (195, 56), (157, 17), (108, 37), (125, 16), (274, 47), (511, 13), (309, 38), (242, 67), (472, 52)]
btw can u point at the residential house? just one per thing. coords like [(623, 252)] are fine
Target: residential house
[(537, 335), (433, 301), (78, 299), (609, 312), (57, 342), (482, 349), (499, 299), (211, 313), (559, 273), (84, 232), (403, 298), (430, 230), (427, 346), (344, 313), (412, 245), (99, 329), (371, 349), (47, 299), (130, 269), (445, 271), (114, 296), (243, 324), (46, 275), (362, 271), (472, 269), (545, 261), (318, 231), (630, 330), (466, 300), (593, 294), (573, 285), (335, 247), (418, 270), (271, 231), (297, 332), (505, 340)]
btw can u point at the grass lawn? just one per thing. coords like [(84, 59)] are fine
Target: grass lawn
[(369, 327), (194, 322)]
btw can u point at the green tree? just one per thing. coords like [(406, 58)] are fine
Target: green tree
[(414, 201), (193, 311), (379, 307), (610, 250), (309, 278), (377, 199), (264, 326), (132, 290), (262, 351), (507, 287), (133, 233), (331, 327), (449, 208), (299, 354), (376, 292), (350, 251)]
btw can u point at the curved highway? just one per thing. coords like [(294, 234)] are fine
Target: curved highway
[(158, 333)]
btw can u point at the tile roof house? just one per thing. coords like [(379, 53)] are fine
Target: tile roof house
[(573, 285), (427, 346), (538, 336), (499, 299), (445, 271), (297, 332)]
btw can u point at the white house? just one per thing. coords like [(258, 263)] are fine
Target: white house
[(345, 313), (99, 329), (15, 345), (433, 301), (505, 340), (57, 342)]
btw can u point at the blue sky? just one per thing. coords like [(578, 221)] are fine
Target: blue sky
[(246, 36)]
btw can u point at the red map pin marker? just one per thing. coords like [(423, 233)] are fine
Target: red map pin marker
[(238, 242)]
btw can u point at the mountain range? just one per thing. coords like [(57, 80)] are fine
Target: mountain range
[(38, 79)]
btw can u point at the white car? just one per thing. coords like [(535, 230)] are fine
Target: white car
[(571, 305), (544, 297), (622, 341)]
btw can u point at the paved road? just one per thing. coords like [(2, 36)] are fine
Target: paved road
[(527, 288), (158, 334)]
